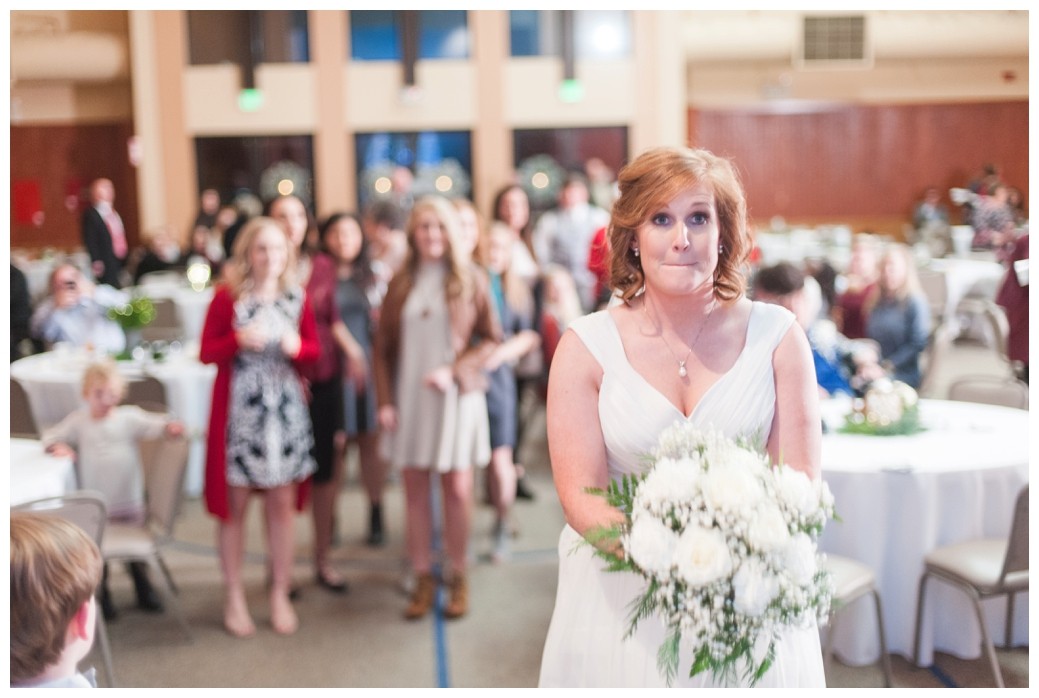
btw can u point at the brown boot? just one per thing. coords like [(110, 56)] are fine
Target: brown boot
[(422, 597), (458, 604)]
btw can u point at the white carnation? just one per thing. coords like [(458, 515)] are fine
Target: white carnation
[(799, 559), (768, 529), (702, 557), (754, 587), (651, 545)]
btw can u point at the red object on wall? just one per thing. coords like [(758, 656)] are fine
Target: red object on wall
[(25, 195)]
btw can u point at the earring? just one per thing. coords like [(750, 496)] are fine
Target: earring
[(636, 251), (721, 249)]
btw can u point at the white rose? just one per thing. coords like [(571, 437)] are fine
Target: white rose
[(799, 559), (701, 556), (754, 587), (732, 486), (767, 530), (651, 545)]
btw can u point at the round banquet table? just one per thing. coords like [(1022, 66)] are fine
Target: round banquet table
[(53, 379), (899, 497), (36, 474)]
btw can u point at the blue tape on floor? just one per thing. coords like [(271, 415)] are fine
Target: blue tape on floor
[(943, 677), (440, 638)]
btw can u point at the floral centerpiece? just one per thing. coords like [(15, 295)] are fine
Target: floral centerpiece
[(132, 316), (887, 408), (726, 544)]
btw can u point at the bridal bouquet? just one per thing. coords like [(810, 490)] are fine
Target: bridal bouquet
[(726, 544)]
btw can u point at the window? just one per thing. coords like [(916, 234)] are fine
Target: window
[(377, 35), (262, 165), (414, 164), (226, 36), (598, 34), (554, 152)]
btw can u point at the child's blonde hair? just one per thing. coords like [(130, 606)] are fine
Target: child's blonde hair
[(103, 372)]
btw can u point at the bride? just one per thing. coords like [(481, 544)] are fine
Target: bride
[(685, 344)]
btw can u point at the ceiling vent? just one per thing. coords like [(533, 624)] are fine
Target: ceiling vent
[(837, 41)]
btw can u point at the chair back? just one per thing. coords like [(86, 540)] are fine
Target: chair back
[(166, 326), (85, 508), (149, 393), (23, 424), (935, 356), (936, 289), (165, 462), (1017, 546), (996, 318), (990, 390)]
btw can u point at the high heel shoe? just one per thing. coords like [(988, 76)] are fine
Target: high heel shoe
[(333, 582)]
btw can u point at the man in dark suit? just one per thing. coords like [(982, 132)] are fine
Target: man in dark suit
[(104, 235)]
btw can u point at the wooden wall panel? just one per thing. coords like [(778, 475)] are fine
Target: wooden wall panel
[(64, 160), (850, 164)]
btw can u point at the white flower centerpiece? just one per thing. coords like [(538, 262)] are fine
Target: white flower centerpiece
[(726, 544), (888, 408)]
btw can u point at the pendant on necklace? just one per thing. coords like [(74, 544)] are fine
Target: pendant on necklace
[(682, 373)]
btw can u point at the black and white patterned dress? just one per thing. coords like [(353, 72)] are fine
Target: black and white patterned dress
[(268, 428)]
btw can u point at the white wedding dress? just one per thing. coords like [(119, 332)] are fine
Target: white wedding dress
[(585, 644)]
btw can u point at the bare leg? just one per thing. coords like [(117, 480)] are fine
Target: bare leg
[(231, 543), (373, 469), (503, 481), (503, 478), (279, 504), (457, 486), (418, 518), (324, 496)]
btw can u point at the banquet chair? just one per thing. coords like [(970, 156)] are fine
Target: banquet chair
[(990, 390), (982, 569), (165, 461), (936, 289), (166, 326), (148, 393), (936, 355), (852, 580), (86, 509), (23, 424)]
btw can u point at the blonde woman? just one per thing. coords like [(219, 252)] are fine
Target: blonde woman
[(898, 316), (436, 330), (258, 331)]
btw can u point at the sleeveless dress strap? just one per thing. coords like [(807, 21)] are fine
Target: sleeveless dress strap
[(597, 333)]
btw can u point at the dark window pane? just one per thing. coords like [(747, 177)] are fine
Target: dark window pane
[(374, 35), (556, 151), (598, 34), (225, 36), (256, 164)]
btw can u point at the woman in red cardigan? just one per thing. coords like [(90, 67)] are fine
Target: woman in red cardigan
[(258, 331)]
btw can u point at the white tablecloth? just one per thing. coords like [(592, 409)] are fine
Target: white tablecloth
[(53, 382), (899, 497), (36, 474)]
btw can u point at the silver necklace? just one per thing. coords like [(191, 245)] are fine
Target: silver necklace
[(682, 371)]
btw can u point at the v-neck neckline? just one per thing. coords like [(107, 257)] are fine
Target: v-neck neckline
[(706, 393)]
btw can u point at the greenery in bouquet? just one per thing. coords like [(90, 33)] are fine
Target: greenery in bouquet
[(725, 542), (138, 313), (888, 408)]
